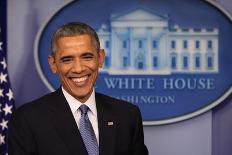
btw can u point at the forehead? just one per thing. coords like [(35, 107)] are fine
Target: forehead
[(76, 43)]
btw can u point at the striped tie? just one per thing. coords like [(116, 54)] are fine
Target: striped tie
[(87, 132)]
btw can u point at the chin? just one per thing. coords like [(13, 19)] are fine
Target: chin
[(81, 95)]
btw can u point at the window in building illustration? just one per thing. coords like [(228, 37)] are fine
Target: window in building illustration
[(173, 44), (140, 60), (173, 60), (185, 44), (155, 61), (154, 44), (197, 61), (140, 65), (107, 44), (140, 44), (185, 62), (125, 60), (107, 61), (124, 44), (197, 44), (209, 44), (210, 62)]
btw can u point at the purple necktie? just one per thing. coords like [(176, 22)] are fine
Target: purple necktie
[(87, 132)]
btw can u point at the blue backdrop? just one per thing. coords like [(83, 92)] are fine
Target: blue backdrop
[(207, 134)]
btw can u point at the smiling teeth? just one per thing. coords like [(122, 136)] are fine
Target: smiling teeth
[(80, 79)]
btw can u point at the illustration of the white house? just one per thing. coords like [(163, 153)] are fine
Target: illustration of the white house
[(141, 42)]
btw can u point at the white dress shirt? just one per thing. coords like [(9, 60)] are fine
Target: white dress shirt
[(74, 104)]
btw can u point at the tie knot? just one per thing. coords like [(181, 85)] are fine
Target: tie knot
[(84, 109)]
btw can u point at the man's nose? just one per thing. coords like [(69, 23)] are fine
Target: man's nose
[(77, 66)]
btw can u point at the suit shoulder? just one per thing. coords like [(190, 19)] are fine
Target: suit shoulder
[(36, 104), (35, 111)]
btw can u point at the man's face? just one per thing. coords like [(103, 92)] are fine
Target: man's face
[(77, 61)]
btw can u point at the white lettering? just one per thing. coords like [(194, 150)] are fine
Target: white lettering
[(181, 83), (148, 99), (130, 83)]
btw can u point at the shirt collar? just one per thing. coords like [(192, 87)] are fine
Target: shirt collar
[(74, 104)]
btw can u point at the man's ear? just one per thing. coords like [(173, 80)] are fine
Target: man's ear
[(101, 57), (52, 63)]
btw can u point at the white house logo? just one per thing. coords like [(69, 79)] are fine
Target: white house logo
[(173, 61), (140, 42)]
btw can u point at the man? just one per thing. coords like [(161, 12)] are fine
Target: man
[(56, 124)]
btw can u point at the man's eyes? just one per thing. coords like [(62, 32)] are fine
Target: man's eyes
[(69, 59), (87, 56), (66, 59)]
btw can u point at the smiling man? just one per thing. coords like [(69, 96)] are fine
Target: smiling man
[(75, 120), (76, 59)]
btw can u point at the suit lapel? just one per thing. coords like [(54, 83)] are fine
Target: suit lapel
[(65, 124), (106, 125)]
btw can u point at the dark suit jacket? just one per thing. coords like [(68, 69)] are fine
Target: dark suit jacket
[(46, 126)]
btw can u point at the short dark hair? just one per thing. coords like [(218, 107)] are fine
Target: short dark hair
[(73, 29)]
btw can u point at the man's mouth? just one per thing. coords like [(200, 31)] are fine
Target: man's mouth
[(80, 79)]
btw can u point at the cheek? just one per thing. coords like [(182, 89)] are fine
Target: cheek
[(95, 72), (63, 69), (94, 68), (94, 65)]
